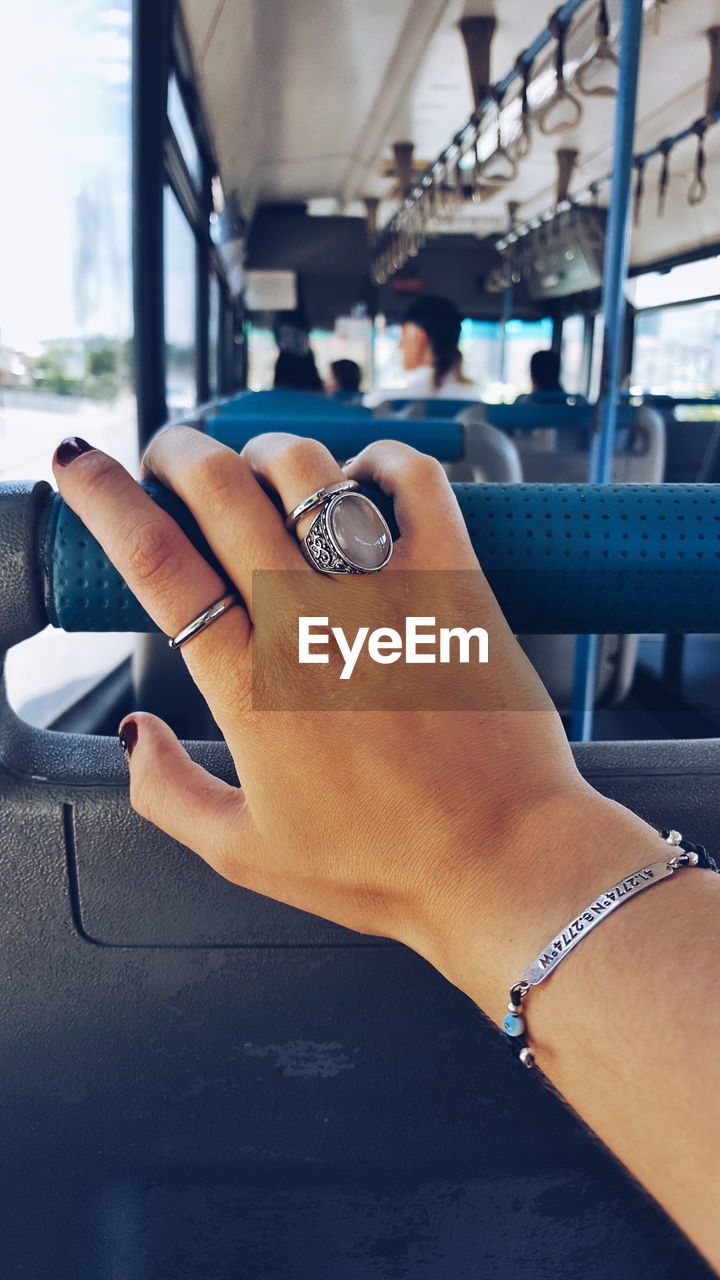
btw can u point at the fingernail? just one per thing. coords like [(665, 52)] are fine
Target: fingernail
[(349, 461), (70, 449), (128, 736)]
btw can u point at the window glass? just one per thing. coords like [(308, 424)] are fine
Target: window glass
[(214, 334), (522, 337), (596, 360), (676, 350), (183, 130), (65, 267), (573, 355), (496, 362), (180, 257)]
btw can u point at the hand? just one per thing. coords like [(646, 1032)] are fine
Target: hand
[(388, 822)]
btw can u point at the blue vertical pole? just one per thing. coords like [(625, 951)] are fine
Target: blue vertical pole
[(617, 242)]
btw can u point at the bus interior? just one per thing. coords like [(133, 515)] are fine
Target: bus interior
[(200, 1083)]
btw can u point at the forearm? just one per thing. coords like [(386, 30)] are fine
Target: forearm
[(624, 1027)]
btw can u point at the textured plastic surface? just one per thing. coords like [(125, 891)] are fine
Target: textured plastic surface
[(345, 437), (560, 558), (279, 1112)]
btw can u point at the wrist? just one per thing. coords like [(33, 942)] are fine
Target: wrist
[(501, 906)]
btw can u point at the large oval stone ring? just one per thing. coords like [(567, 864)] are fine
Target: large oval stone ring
[(348, 535)]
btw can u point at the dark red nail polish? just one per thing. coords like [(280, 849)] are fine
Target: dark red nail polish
[(70, 449), (128, 736)]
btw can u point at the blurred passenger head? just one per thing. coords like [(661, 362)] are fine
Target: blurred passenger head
[(343, 375), (295, 368), (545, 371), (297, 373), (292, 332), (430, 336)]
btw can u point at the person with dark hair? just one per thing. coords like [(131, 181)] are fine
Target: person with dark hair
[(295, 368), (297, 373), (430, 354), (343, 377), (545, 381), (545, 371)]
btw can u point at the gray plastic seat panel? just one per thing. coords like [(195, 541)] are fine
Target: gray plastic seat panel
[(325, 1105)]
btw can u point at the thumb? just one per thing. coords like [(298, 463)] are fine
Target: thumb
[(180, 797)]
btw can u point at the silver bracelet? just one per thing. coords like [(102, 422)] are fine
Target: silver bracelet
[(562, 943)]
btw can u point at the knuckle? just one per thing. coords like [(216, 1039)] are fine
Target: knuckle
[(305, 455), (425, 470), (152, 557), (213, 478)]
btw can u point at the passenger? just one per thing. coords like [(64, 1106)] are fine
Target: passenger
[(431, 355), (468, 835), (295, 367), (545, 381), (344, 377), (297, 373)]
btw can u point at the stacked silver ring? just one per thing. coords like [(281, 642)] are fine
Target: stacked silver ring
[(349, 533)]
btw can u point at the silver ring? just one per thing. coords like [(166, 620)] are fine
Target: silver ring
[(349, 535), (317, 499), (203, 620)]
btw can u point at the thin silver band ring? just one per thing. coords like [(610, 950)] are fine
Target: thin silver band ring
[(317, 499), (203, 620)]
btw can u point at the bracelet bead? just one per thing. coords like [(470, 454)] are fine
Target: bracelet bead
[(513, 1024)]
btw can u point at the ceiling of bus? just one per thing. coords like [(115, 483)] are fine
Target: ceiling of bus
[(304, 99)]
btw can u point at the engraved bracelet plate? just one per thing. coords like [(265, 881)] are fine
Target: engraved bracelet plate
[(582, 925)]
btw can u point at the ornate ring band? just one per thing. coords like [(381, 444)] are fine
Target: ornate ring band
[(348, 535), (317, 499), (203, 620)]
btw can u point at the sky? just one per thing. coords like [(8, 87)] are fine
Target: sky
[(65, 204)]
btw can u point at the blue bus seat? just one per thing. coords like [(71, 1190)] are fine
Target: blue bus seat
[(548, 454), (427, 407), (281, 404), (535, 543), (474, 453), (344, 435)]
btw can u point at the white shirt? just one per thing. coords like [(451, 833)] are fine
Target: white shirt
[(420, 387)]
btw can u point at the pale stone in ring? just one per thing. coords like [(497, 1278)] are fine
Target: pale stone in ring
[(359, 532)]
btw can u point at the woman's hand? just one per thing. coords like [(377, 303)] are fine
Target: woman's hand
[(406, 823)]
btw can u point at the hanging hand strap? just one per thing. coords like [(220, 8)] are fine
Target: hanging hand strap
[(698, 188)]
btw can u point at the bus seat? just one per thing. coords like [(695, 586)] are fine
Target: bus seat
[(279, 403), (475, 453), (430, 407), (693, 449), (345, 435), (639, 459), (198, 1081)]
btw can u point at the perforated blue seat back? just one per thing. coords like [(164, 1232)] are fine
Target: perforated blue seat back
[(560, 558)]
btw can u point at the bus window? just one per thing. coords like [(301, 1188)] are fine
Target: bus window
[(66, 300), (522, 337), (677, 350), (183, 130), (573, 355), (214, 335), (180, 310)]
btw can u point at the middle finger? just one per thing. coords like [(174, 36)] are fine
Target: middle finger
[(238, 519)]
